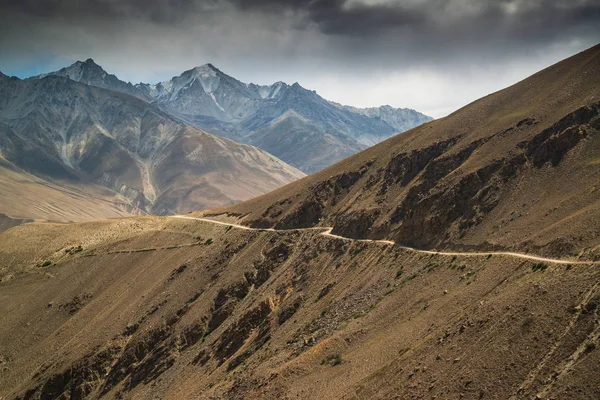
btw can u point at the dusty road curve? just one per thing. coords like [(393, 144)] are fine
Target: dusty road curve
[(327, 232)]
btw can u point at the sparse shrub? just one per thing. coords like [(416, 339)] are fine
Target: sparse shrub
[(75, 250), (46, 263), (399, 273), (208, 241), (489, 256), (430, 266), (333, 360), (357, 249), (228, 228), (287, 312), (569, 266), (590, 347), (325, 291), (527, 322), (411, 277), (539, 266)]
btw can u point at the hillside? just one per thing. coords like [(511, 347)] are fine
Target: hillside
[(81, 136), (25, 196), (182, 308), (517, 169), (160, 307)]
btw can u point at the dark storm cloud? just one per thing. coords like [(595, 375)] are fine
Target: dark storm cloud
[(337, 17), (373, 17), (159, 11), (442, 20), (353, 51)]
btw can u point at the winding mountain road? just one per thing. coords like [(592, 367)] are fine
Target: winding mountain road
[(327, 232)]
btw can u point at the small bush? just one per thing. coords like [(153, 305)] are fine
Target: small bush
[(539, 266), (527, 322), (325, 291), (590, 347), (399, 273), (228, 228), (489, 256), (333, 360), (46, 263), (75, 250), (208, 241)]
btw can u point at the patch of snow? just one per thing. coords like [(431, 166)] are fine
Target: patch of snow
[(64, 154), (212, 96)]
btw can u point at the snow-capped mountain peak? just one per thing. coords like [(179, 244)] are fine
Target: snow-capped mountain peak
[(269, 92), (90, 73)]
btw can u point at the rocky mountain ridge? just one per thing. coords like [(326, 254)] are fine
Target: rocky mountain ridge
[(63, 130), (292, 123)]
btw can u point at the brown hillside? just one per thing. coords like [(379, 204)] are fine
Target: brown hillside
[(517, 169), (164, 308)]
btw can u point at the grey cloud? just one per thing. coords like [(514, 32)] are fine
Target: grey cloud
[(324, 44), (512, 18), (425, 20), (159, 11)]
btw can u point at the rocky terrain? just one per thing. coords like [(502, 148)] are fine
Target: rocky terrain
[(75, 135), (159, 307), (171, 308), (517, 169), (292, 123)]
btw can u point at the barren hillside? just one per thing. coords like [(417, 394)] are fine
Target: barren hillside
[(517, 169)]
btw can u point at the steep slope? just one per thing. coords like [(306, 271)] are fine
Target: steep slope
[(70, 133), (516, 169), (179, 309), (90, 73), (277, 118)]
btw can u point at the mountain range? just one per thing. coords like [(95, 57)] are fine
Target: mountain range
[(459, 260), (200, 140), (292, 123), (69, 133)]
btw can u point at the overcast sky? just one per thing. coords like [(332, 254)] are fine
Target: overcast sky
[(431, 55)]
